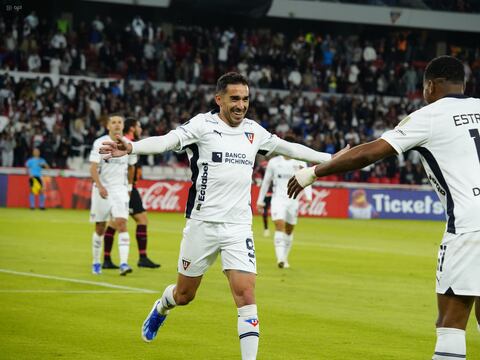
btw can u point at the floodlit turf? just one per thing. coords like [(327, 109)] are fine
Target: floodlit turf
[(356, 290)]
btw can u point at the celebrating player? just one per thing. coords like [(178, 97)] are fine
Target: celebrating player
[(110, 196), (221, 148), (132, 131), (284, 210), (261, 169), (446, 134)]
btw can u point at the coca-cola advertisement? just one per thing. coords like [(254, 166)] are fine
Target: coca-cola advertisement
[(165, 196), (326, 202)]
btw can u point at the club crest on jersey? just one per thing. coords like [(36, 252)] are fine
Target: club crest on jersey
[(253, 322), (250, 136), (185, 263)]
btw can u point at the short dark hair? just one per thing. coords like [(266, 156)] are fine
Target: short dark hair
[(290, 137), (116, 114), (129, 122), (230, 78), (446, 67)]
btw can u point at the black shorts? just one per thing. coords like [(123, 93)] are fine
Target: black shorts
[(268, 201), (136, 205), (35, 180)]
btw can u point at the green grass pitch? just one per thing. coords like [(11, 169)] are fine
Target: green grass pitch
[(356, 290)]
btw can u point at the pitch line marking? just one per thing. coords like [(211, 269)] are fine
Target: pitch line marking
[(78, 281)]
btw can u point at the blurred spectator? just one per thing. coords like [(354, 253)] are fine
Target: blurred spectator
[(7, 145)]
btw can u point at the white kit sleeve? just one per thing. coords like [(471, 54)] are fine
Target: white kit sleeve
[(267, 180), (156, 144), (301, 152)]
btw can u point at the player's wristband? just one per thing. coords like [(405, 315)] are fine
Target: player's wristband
[(306, 176), (130, 187)]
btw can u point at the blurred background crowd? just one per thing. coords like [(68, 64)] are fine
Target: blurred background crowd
[(328, 87)]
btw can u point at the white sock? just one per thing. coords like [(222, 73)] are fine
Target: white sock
[(279, 242), (167, 300), (123, 246), (248, 331), (288, 245), (450, 344), (97, 242)]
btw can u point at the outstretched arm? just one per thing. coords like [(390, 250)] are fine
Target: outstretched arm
[(301, 152), (151, 145), (356, 158), (267, 180)]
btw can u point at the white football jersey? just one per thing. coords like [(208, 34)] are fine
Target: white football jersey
[(446, 133), (221, 159), (113, 172), (279, 171)]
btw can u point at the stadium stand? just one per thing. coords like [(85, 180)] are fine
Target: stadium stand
[(327, 87)]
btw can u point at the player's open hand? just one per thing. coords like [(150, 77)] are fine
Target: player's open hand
[(301, 180), (115, 148), (103, 192), (343, 151)]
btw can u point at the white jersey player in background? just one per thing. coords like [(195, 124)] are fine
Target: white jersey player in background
[(221, 148), (284, 210), (110, 196), (447, 134)]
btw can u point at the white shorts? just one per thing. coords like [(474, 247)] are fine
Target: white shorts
[(115, 205), (458, 266), (284, 209), (203, 240)]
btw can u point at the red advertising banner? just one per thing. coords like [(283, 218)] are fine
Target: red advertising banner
[(163, 196), (326, 202)]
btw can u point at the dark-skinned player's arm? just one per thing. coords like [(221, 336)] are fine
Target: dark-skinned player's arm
[(355, 158)]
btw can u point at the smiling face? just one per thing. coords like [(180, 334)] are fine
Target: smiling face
[(233, 103), (115, 126)]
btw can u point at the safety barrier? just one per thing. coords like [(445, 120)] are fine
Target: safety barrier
[(330, 199)]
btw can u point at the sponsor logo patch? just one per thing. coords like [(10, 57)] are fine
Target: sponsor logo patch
[(217, 156)]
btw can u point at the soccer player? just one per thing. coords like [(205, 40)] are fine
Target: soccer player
[(267, 200), (446, 134), (110, 195), (35, 165), (132, 131), (284, 210), (221, 148)]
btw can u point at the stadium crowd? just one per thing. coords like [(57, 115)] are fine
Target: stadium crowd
[(63, 120), (389, 63)]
